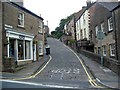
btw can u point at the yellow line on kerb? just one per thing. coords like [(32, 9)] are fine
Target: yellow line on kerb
[(91, 81), (33, 76)]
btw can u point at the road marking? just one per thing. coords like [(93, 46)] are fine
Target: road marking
[(39, 84), (32, 76), (91, 81)]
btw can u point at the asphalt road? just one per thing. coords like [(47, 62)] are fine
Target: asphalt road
[(63, 71)]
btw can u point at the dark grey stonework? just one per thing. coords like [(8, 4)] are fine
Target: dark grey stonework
[(99, 13), (0, 36), (116, 15), (10, 17)]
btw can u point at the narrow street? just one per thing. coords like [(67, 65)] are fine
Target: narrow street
[(49, 44), (64, 69)]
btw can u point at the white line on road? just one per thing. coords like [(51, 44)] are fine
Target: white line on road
[(33, 76), (38, 84)]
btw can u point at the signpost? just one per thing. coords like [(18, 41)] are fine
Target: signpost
[(100, 36)]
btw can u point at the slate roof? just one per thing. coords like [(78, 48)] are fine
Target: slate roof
[(117, 6), (109, 5), (24, 9), (80, 13)]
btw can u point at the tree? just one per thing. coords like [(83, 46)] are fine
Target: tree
[(59, 30)]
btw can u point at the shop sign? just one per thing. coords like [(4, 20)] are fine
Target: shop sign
[(21, 37)]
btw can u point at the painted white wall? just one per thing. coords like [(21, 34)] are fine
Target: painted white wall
[(78, 28), (82, 26)]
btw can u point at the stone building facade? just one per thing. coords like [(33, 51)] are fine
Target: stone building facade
[(0, 36), (116, 20), (101, 21), (22, 33), (83, 30)]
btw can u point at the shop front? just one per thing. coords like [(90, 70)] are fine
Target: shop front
[(20, 46)]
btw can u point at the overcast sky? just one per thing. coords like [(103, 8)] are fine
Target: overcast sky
[(54, 10)]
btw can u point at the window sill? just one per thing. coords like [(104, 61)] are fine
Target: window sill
[(112, 56), (110, 31), (20, 26)]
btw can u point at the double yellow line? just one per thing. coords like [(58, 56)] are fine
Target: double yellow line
[(33, 76), (91, 81)]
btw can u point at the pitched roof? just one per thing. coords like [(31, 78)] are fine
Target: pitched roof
[(79, 13), (109, 5), (24, 9), (117, 7)]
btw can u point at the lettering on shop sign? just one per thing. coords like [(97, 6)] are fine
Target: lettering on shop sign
[(21, 37)]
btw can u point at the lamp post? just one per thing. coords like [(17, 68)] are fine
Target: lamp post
[(100, 36)]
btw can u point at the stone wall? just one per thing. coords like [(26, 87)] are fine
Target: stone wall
[(108, 62), (116, 15), (9, 64), (0, 36)]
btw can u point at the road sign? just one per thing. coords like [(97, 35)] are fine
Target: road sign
[(100, 35)]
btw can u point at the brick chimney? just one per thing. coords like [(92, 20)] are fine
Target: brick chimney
[(89, 3)]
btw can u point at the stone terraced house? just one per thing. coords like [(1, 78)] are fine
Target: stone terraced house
[(21, 36)]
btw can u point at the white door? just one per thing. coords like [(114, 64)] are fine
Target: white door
[(35, 52), (40, 47)]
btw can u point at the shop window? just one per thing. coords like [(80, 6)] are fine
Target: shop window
[(20, 50), (27, 50)]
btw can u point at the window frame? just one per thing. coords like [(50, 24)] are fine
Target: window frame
[(110, 24), (40, 27), (104, 50), (22, 18), (96, 30), (99, 50), (85, 36), (102, 27), (111, 49)]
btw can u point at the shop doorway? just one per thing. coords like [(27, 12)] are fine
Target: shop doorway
[(20, 50), (12, 48)]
